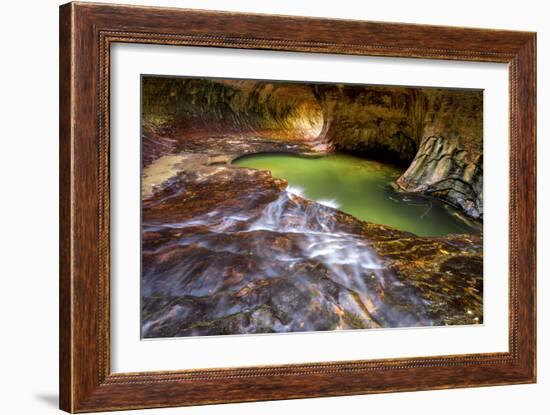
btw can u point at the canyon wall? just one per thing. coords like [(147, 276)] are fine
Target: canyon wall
[(228, 249), (436, 134), (449, 161)]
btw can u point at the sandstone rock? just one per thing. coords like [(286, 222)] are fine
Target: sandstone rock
[(392, 124), (443, 169), (449, 161), (228, 250)]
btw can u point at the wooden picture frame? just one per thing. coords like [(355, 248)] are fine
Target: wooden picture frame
[(86, 33)]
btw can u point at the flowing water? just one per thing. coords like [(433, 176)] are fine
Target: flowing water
[(287, 264), (363, 189), (300, 272)]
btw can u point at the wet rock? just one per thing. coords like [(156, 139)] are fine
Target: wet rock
[(392, 124), (444, 169), (446, 272), (229, 250), (449, 161)]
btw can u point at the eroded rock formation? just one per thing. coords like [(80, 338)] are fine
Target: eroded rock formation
[(437, 132), (230, 250), (449, 161)]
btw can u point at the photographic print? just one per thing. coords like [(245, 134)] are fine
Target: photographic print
[(276, 207)]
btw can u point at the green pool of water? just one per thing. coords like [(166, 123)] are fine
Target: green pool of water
[(363, 189)]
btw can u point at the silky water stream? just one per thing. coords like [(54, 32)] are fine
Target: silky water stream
[(293, 264)]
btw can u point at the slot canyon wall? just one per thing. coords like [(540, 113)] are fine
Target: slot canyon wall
[(436, 134), (228, 249)]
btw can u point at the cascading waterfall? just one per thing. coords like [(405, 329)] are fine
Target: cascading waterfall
[(295, 243), (350, 261), (228, 248)]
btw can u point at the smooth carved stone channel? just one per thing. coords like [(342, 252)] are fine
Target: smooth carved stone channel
[(229, 250)]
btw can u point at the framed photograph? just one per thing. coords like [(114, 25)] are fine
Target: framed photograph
[(260, 207)]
